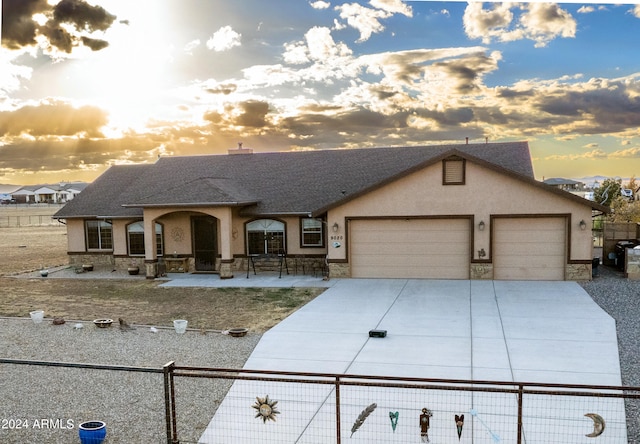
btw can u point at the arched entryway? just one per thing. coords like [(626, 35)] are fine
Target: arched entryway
[(204, 231)]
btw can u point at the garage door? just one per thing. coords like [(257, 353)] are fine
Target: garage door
[(529, 249), (414, 248)]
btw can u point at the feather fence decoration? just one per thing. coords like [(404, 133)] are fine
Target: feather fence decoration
[(361, 418)]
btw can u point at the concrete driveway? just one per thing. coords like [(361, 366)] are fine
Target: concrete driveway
[(546, 332)]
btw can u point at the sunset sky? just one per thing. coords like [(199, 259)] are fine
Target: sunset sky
[(85, 85)]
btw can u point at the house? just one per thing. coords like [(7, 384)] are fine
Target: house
[(49, 193), (468, 211), (564, 184)]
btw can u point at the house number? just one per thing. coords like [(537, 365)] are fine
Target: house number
[(336, 237)]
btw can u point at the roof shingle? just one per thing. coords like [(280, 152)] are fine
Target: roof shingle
[(294, 182)]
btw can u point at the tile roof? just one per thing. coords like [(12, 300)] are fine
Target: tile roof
[(277, 183)]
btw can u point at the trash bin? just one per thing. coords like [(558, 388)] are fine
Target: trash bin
[(594, 266), (621, 251)]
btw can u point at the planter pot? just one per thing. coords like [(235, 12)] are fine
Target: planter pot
[(180, 325), (103, 323), (238, 332), (44, 273), (37, 316), (92, 432), (133, 270), (87, 267)]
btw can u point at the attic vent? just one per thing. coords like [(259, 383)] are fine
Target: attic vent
[(453, 171)]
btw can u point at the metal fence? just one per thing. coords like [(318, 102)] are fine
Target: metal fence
[(28, 220), (292, 407)]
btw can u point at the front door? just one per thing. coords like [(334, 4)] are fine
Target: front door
[(205, 237)]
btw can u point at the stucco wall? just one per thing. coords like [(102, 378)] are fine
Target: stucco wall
[(75, 235), (485, 193)]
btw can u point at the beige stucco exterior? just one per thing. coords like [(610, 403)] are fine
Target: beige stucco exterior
[(487, 195)]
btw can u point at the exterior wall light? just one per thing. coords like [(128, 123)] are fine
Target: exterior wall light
[(481, 225), (583, 225), (335, 227)]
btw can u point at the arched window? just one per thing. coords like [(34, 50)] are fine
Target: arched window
[(265, 236), (135, 239)]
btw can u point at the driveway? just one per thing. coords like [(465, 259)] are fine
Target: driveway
[(546, 332)]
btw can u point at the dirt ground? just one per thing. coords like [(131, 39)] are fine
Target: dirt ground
[(140, 302)]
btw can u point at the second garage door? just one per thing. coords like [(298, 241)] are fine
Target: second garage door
[(413, 248), (529, 248)]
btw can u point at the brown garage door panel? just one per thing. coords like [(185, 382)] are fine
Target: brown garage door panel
[(530, 249), (431, 248)]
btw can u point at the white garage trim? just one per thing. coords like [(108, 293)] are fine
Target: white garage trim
[(529, 248), (410, 248)]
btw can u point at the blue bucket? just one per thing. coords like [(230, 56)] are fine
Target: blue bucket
[(92, 432)]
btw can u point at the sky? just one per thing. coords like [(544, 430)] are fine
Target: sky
[(89, 84)]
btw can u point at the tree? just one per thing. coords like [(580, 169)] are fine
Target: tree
[(624, 210), (608, 191), (632, 185)]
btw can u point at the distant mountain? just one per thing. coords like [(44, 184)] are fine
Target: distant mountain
[(590, 181)]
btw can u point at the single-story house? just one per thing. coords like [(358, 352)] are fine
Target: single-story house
[(468, 211), (49, 193)]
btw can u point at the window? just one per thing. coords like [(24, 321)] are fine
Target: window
[(311, 235), (135, 239), (99, 235), (265, 236), (453, 171)]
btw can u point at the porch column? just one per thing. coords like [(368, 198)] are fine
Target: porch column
[(226, 256), (150, 255)]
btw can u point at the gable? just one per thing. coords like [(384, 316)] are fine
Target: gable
[(486, 190)]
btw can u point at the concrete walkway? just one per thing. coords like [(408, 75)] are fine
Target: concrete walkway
[(545, 332)]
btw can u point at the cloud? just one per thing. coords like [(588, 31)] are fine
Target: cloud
[(65, 25), (224, 39), (18, 27), (636, 10), (545, 21), (367, 20), (320, 4), (53, 119), (393, 6), (71, 155), (540, 22), (193, 44), (597, 154), (480, 23), (629, 153), (82, 15), (213, 87)]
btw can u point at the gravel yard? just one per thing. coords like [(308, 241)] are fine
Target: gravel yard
[(52, 402), (620, 298), (48, 404)]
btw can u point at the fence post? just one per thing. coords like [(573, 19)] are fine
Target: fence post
[(169, 403), (338, 439), (520, 394)]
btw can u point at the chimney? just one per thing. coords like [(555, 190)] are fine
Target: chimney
[(466, 140), (241, 150)]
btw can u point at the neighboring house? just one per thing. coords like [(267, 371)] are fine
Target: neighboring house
[(469, 211), (56, 193), (573, 186), (6, 193)]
